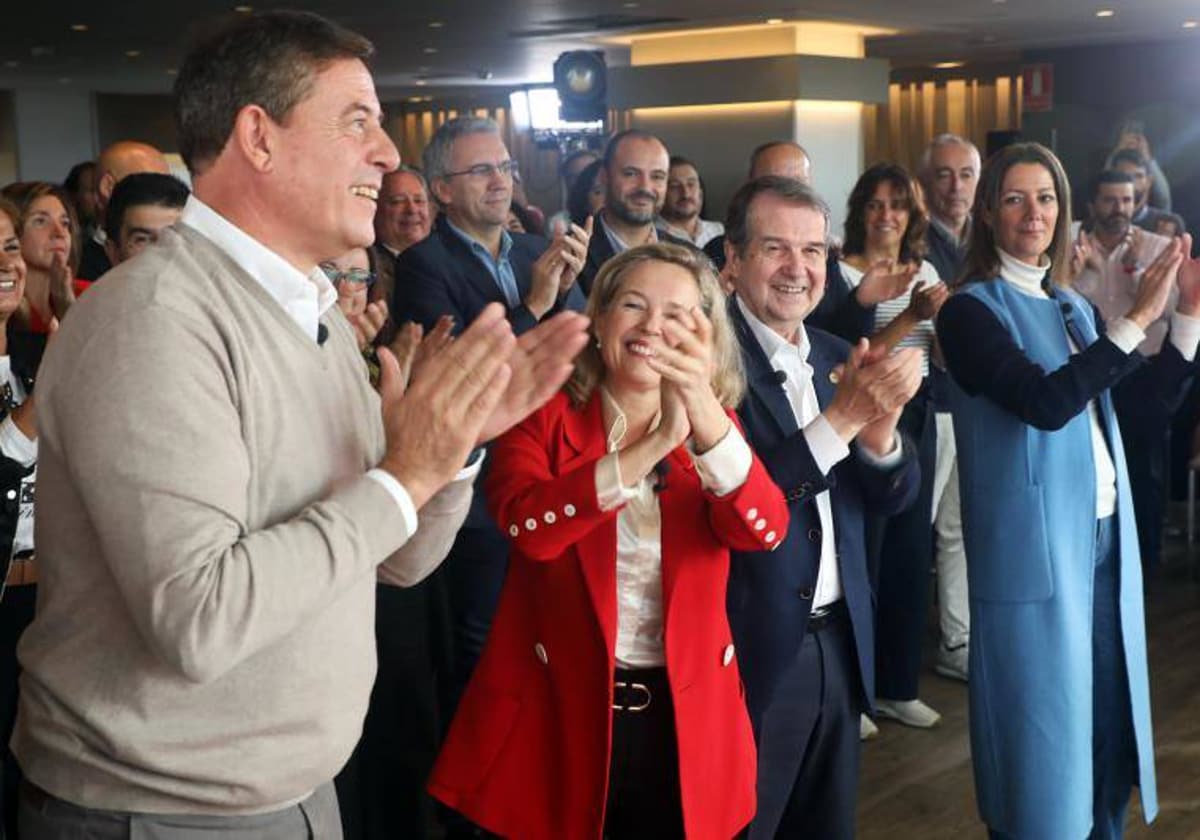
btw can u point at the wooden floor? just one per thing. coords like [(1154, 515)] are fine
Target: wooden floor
[(918, 784)]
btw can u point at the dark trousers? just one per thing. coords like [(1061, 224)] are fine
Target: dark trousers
[(808, 748), (644, 798), (16, 613), (475, 569), (381, 790), (904, 560)]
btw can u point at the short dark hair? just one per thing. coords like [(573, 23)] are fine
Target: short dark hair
[(737, 223), (267, 59), (610, 149), (1129, 156), (912, 247), (1108, 176), (71, 182), (139, 190), (680, 160)]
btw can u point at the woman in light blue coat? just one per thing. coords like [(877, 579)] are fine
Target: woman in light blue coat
[(1059, 694)]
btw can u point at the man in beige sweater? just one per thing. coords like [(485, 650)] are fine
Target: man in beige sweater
[(216, 487)]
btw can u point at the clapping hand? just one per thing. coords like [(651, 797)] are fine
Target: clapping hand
[(685, 359), (1188, 280), (1154, 288), (556, 269), (926, 300), (885, 280)]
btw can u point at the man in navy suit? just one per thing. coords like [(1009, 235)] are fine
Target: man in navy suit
[(822, 416), (469, 260)]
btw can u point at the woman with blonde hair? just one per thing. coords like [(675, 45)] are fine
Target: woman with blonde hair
[(608, 701)]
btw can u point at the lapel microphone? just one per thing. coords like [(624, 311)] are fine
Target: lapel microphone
[(780, 376), (322, 335)]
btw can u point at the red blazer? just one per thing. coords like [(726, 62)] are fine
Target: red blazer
[(527, 755)]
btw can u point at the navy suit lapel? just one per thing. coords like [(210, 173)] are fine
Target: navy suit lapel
[(761, 378), (472, 271), (822, 363)]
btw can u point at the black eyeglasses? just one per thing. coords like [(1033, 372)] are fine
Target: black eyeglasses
[(508, 169), (350, 275)]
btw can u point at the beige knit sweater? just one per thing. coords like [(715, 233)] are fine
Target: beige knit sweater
[(207, 543)]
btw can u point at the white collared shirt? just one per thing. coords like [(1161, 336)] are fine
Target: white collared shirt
[(706, 231), (304, 297), (722, 469)]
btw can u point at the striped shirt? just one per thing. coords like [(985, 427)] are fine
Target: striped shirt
[(922, 335)]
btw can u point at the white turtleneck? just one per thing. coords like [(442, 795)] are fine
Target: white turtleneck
[(1027, 279)]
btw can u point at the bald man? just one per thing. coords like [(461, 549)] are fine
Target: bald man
[(784, 158), (125, 157)]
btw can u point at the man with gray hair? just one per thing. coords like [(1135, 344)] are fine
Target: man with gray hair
[(822, 416), (949, 173), (469, 261), (401, 221), (218, 483)]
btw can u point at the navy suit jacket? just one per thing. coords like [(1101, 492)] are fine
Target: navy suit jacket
[(600, 251), (770, 593), (441, 276)]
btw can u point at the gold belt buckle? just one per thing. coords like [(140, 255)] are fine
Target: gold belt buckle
[(637, 707)]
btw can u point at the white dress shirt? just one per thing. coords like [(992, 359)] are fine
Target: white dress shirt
[(1185, 335), (304, 297), (722, 469), (826, 446)]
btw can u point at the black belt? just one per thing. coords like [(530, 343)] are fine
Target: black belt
[(634, 689), (823, 617)]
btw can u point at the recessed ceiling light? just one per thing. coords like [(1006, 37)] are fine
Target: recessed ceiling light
[(420, 83), (133, 53), (245, 10), (171, 71), (949, 65), (436, 24), (430, 50), (415, 99), (1190, 24), (79, 27), (999, 2), (774, 21), (1105, 13), (630, 5)]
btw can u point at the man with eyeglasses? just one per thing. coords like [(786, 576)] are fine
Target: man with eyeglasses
[(470, 260)]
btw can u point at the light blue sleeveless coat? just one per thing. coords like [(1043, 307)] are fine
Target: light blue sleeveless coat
[(1029, 522)]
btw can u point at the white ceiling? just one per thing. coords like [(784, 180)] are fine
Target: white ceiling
[(514, 41)]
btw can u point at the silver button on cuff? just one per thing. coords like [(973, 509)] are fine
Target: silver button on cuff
[(540, 650), (727, 656), (549, 517), (569, 510), (531, 524)]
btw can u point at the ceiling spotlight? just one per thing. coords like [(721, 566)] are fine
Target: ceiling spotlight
[(630, 5), (415, 99), (133, 53), (79, 27), (1105, 13), (1190, 24), (430, 50), (245, 10), (436, 24), (949, 65), (420, 83), (774, 21)]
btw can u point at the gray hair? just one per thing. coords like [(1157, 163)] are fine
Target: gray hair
[(946, 139), (791, 190), (413, 171), (436, 157)]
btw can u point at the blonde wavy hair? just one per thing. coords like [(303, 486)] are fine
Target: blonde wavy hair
[(728, 379)]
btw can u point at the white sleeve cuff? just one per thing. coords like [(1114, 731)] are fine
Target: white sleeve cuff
[(884, 462), (610, 492), (472, 469), (726, 466), (403, 501), (14, 444), (825, 444), (1125, 334), (1185, 334)]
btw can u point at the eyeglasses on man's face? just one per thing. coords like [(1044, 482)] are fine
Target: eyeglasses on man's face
[(487, 171), (350, 275)]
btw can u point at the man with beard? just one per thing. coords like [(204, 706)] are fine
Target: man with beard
[(684, 204), (1135, 164), (1107, 266), (634, 173)]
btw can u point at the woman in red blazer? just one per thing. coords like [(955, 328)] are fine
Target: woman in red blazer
[(607, 701)]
